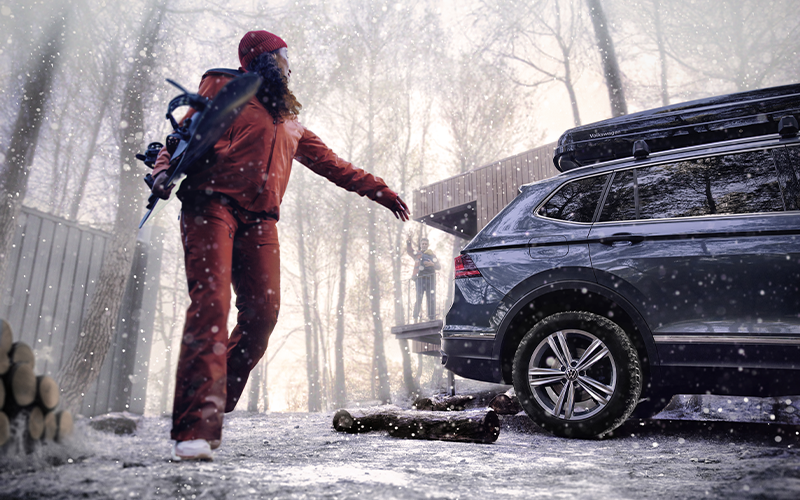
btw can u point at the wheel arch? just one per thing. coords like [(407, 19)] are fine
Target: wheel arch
[(575, 295)]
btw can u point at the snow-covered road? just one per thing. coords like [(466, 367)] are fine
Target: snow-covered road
[(291, 455)]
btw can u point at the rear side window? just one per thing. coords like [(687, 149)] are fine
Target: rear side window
[(576, 201), (729, 184)]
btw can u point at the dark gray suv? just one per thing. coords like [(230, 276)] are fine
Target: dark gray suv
[(664, 260)]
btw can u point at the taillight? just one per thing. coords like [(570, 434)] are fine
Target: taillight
[(465, 268)]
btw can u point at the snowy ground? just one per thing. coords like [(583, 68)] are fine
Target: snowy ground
[(298, 455)]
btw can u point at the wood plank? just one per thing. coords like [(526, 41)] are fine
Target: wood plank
[(24, 267), (7, 292), (44, 330), (30, 322), (65, 291), (80, 293)]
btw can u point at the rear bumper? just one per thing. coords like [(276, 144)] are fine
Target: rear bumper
[(468, 354)]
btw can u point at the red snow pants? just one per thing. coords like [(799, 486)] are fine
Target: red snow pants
[(223, 246)]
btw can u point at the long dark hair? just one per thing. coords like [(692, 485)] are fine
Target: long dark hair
[(274, 93)]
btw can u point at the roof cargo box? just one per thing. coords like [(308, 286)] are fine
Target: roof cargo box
[(704, 121)]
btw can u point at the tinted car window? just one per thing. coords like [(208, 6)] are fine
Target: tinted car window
[(788, 162), (576, 201), (730, 184), (620, 203)]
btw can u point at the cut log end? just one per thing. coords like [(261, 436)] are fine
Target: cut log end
[(6, 337), (35, 424), (5, 429), (66, 426), (343, 421), (22, 386), (50, 426), (21, 353), (47, 393), (5, 363)]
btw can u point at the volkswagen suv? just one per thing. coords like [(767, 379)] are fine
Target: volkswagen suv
[(665, 259)]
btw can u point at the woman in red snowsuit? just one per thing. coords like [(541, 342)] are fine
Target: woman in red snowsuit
[(228, 220)]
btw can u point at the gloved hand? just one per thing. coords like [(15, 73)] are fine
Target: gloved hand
[(159, 188), (393, 202)]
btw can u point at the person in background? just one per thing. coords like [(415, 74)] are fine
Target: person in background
[(228, 227), (424, 275)]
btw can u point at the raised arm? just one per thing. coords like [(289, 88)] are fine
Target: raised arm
[(318, 157)]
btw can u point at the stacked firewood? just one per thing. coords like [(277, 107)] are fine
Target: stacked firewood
[(26, 398)]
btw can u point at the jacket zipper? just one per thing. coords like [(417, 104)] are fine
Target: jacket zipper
[(269, 161)]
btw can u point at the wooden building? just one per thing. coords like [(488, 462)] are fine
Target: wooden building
[(464, 204)]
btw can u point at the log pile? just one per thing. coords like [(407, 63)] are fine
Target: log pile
[(28, 399), (473, 426), (469, 418)]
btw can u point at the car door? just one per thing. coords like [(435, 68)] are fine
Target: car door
[(706, 250)]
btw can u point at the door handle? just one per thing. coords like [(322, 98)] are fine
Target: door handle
[(618, 239)]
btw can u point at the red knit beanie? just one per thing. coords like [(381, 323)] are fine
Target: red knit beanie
[(257, 42)]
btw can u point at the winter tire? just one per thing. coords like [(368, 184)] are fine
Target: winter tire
[(577, 375), (651, 404)]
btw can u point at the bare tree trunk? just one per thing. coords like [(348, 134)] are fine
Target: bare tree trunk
[(312, 369), (609, 58), (381, 369), (25, 137), (255, 388), (339, 385), (264, 387), (83, 365), (662, 51), (379, 353), (398, 251), (94, 134)]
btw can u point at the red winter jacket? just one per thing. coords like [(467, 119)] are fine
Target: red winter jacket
[(254, 160)]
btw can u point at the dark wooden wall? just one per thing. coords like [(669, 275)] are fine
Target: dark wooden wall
[(492, 186)]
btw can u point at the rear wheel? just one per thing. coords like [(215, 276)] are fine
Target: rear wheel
[(577, 374)]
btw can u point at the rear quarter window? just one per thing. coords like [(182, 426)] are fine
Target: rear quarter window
[(575, 201)]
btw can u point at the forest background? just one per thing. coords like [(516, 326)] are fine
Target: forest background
[(414, 91)]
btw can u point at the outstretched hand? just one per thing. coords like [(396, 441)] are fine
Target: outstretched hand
[(400, 209)]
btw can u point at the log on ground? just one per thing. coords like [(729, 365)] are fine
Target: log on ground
[(474, 426), (505, 404), (361, 420), (459, 402)]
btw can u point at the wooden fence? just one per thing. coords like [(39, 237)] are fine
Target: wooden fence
[(51, 277)]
